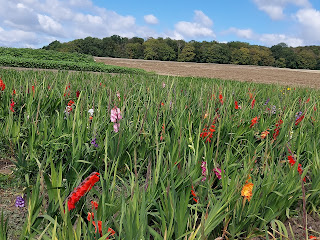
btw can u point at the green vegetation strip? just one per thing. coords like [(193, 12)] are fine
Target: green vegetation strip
[(38, 58), (65, 65)]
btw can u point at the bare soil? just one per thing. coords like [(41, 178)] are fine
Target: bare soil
[(258, 74)]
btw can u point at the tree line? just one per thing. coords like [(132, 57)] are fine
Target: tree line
[(167, 49)]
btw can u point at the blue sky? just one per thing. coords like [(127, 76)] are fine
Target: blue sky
[(35, 23)]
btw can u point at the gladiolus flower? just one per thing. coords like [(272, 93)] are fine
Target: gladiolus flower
[(90, 216), (2, 85), (254, 121), (20, 202), (252, 103), (217, 171), (14, 92), (246, 191), (77, 93), (91, 111), (208, 134), (220, 98), (84, 187), (94, 205), (264, 134), (12, 105), (299, 120), (116, 127), (194, 194), (70, 103), (111, 231), (204, 171), (292, 161), (115, 114), (236, 105)]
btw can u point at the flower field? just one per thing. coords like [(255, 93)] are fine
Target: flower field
[(155, 157)]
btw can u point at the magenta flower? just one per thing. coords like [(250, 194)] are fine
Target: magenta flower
[(217, 171), (204, 171)]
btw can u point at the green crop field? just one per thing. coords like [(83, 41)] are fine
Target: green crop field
[(155, 157), (39, 58)]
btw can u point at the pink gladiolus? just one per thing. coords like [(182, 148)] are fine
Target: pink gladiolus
[(116, 127), (115, 117), (115, 114)]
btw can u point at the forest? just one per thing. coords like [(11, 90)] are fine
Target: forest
[(242, 53)]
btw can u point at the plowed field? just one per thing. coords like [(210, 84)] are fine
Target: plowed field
[(284, 76)]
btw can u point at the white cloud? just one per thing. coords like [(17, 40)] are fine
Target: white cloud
[(273, 39), (275, 8), (200, 27), (49, 25), (265, 39), (151, 19), (18, 38), (242, 33), (309, 22)]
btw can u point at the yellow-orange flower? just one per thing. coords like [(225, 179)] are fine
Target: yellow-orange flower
[(246, 191), (264, 134)]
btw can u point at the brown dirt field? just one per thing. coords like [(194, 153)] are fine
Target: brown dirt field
[(283, 76)]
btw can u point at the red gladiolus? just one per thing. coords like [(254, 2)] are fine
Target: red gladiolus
[(254, 121), (78, 93), (33, 91), (12, 105), (14, 92), (2, 85), (220, 98), (194, 194), (70, 103), (299, 120), (111, 231), (252, 103), (82, 189), (277, 129), (208, 134), (292, 161), (236, 105), (308, 100), (94, 205)]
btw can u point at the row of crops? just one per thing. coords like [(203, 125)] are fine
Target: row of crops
[(154, 157), (39, 58), (41, 54)]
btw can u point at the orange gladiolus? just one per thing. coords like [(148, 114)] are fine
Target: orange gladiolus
[(246, 191), (264, 134)]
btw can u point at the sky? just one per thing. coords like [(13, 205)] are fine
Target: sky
[(36, 23)]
